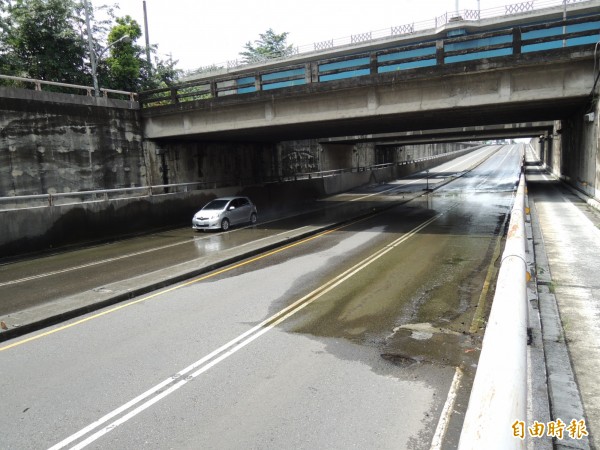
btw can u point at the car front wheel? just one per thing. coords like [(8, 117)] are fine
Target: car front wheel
[(225, 225), (253, 218)]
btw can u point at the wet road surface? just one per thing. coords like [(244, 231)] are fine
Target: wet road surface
[(348, 339), (36, 281)]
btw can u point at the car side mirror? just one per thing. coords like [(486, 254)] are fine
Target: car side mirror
[(231, 208)]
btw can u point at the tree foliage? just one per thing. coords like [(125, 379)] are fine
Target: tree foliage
[(125, 60), (269, 45), (47, 40), (40, 40), (4, 27)]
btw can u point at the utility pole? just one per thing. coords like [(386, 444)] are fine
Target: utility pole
[(147, 39), (91, 46)]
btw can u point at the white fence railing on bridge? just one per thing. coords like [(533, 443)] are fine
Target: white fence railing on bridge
[(395, 30), (67, 86)]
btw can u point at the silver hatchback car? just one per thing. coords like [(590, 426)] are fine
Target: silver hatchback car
[(220, 213)]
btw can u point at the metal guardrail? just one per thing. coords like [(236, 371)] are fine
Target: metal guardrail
[(76, 87), (524, 39), (330, 173), (404, 29), (499, 393), (66, 198)]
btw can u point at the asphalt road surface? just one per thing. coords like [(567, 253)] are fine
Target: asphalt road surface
[(363, 336)]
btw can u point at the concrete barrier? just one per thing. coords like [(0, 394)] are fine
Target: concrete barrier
[(499, 395), (31, 230)]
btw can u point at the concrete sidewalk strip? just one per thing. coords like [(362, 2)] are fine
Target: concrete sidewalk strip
[(563, 391)]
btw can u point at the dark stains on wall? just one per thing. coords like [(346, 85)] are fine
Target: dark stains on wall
[(211, 162), (50, 147)]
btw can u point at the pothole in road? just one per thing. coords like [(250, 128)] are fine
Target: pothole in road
[(419, 343)]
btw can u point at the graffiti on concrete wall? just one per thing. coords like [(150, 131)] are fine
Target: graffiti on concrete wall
[(298, 161)]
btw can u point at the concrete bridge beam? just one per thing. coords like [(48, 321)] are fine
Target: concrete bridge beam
[(386, 104)]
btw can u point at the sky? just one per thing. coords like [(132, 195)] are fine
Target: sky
[(200, 33)]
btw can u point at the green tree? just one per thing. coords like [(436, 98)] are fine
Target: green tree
[(4, 28), (165, 73), (270, 45), (127, 66), (124, 63), (40, 40)]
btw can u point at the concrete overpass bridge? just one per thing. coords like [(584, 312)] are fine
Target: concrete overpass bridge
[(529, 67), (475, 133)]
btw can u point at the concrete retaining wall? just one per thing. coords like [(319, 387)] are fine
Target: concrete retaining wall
[(38, 229), (52, 142)]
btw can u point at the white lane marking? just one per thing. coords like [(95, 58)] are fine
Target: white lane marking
[(117, 258), (440, 431), (223, 352)]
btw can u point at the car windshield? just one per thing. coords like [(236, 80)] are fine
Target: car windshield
[(216, 204)]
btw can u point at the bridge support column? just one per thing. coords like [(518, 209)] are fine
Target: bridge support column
[(572, 150)]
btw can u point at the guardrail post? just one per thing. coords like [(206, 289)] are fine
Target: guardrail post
[(174, 98), (373, 63), (311, 71), (50, 200), (516, 47), (439, 52), (213, 89), (258, 82)]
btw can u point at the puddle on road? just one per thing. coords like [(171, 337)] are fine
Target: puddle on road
[(416, 305)]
